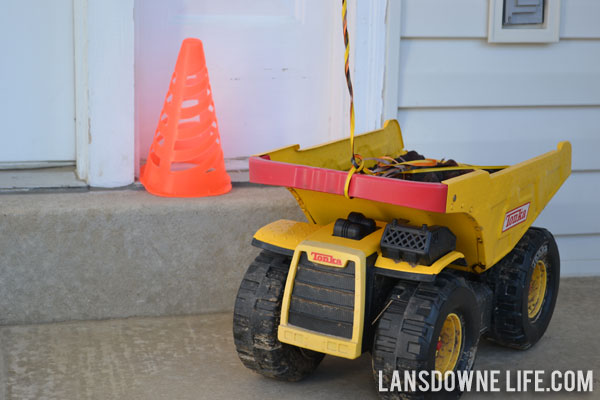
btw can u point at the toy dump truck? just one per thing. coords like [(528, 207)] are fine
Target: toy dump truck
[(413, 272)]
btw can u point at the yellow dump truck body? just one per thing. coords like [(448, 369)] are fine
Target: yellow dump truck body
[(488, 212)]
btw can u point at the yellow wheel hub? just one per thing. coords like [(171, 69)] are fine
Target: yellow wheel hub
[(449, 344), (537, 290)]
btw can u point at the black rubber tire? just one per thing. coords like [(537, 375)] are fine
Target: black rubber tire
[(256, 320), (510, 279), (407, 331)]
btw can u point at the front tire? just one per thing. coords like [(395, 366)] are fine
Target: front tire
[(256, 320), (419, 324), (525, 284)]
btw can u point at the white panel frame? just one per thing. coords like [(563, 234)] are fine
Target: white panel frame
[(367, 31), (369, 62), (375, 37), (104, 93), (391, 78), (548, 32), (82, 122), (339, 121)]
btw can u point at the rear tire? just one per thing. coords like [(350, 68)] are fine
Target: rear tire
[(521, 312), (256, 320), (408, 334)]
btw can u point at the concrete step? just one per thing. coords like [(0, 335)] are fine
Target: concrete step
[(193, 357), (115, 254), (86, 255)]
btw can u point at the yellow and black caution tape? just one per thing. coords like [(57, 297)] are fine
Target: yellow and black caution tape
[(357, 166), (349, 80)]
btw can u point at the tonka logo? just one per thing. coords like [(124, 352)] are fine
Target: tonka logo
[(515, 217), (325, 259)]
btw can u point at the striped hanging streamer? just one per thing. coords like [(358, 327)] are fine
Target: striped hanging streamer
[(349, 81)]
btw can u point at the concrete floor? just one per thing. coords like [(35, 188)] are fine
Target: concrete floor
[(194, 358)]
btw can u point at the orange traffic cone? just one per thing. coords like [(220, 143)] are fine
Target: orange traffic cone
[(186, 158)]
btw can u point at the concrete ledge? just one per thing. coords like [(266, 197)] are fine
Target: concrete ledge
[(114, 254)]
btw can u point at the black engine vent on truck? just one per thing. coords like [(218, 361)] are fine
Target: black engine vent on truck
[(416, 245)]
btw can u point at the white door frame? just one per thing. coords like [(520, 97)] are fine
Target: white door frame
[(104, 91), (374, 29), (82, 122), (376, 55), (104, 81), (392, 60)]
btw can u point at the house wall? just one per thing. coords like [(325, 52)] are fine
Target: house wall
[(461, 97)]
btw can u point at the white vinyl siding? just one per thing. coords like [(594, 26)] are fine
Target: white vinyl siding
[(469, 19), (463, 98), (474, 73)]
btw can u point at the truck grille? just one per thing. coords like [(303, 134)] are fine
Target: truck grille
[(409, 243), (323, 298)]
